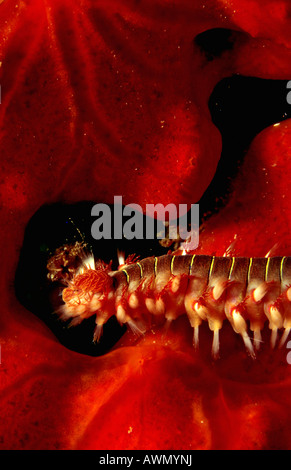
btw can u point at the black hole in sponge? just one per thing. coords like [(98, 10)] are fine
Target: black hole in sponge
[(241, 107), (214, 42), (51, 227)]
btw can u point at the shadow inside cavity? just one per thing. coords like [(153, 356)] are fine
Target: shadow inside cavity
[(241, 107), (51, 227)]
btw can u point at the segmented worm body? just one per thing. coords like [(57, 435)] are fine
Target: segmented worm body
[(247, 292)]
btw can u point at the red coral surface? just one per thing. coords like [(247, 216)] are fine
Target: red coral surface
[(104, 98)]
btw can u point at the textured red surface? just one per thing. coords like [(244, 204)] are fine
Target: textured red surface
[(110, 98)]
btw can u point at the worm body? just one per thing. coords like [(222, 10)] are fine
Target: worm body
[(247, 292)]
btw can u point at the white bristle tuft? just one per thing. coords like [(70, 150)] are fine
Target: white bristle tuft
[(257, 339), (97, 333), (196, 337), (284, 337), (138, 330), (215, 344), (121, 257), (273, 339), (88, 263)]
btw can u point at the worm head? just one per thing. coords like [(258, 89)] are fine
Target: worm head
[(88, 291)]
